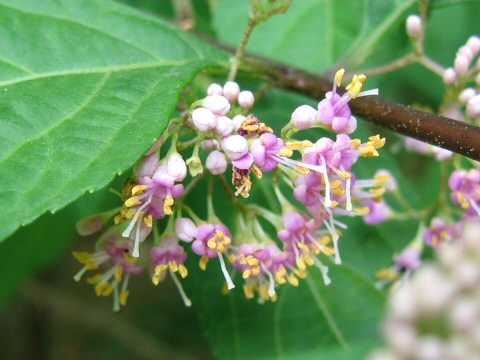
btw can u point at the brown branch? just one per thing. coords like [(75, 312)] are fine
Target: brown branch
[(453, 135)]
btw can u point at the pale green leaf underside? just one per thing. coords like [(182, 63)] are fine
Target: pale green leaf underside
[(85, 88)]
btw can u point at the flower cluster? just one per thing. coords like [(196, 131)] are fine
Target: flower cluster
[(221, 133), (436, 314)]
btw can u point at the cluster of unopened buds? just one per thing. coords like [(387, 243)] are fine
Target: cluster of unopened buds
[(221, 135), (435, 315)]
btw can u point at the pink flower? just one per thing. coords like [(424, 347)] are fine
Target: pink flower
[(379, 212), (265, 151)]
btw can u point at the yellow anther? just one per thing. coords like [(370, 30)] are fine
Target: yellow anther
[(282, 271), (263, 292), (280, 278), (123, 297), (273, 298), (211, 243), (256, 171), (344, 174), (355, 143), (338, 191), (387, 274), (298, 145), (303, 247), (377, 192), (368, 150), (256, 271), (309, 260), (128, 213), (167, 205), (91, 265), (339, 77), (381, 179), (246, 274), (118, 272), (361, 211), (203, 262), (302, 274), (118, 219), (376, 141), (182, 270), (248, 291), (302, 171), (132, 201), (94, 279), (335, 184), (138, 189), (173, 265), (252, 261), (293, 280), (300, 263), (463, 200), (286, 152), (334, 203), (315, 249), (82, 256), (148, 220), (160, 268), (329, 251)]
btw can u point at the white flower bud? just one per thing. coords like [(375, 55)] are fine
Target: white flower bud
[(303, 117), (224, 126), (237, 121), (466, 95), (231, 91), (203, 119), (246, 99), (176, 167), (449, 76), (235, 146), (467, 274), (217, 104), (209, 145), (466, 52), (473, 43), (432, 291), (473, 106), (430, 348), (461, 64), (214, 89), (185, 229), (463, 314), (413, 25), (216, 162)]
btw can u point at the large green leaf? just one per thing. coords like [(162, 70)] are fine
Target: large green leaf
[(85, 88), (313, 34)]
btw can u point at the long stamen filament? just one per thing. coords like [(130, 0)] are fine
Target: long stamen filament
[(128, 230), (179, 286), (229, 281)]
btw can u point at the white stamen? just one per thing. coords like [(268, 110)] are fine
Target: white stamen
[(116, 302), (324, 270), (79, 274), (340, 224), (364, 183), (136, 244), (475, 206), (368, 92), (320, 169), (331, 228), (349, 197), (128, 230), (179, 286), (226, 275), (271, 282), (107, 275)]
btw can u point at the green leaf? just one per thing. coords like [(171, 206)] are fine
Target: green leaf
[(85, 88), (42, 243), (313, 34)]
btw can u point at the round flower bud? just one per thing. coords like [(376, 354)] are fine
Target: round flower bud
[(246, 99), (185, 229), (235, 146), (209, 145), (466, 95), (231, 91), (413, 25), (147, 165), (224, 126), (351, 125), (303, 117), (176, 167), (473, 106), (217, 104), (473, 43), (466, 52), (461, 64), (216, 162), (203, 119), (214, 89), (237, 121), (449, 76)]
